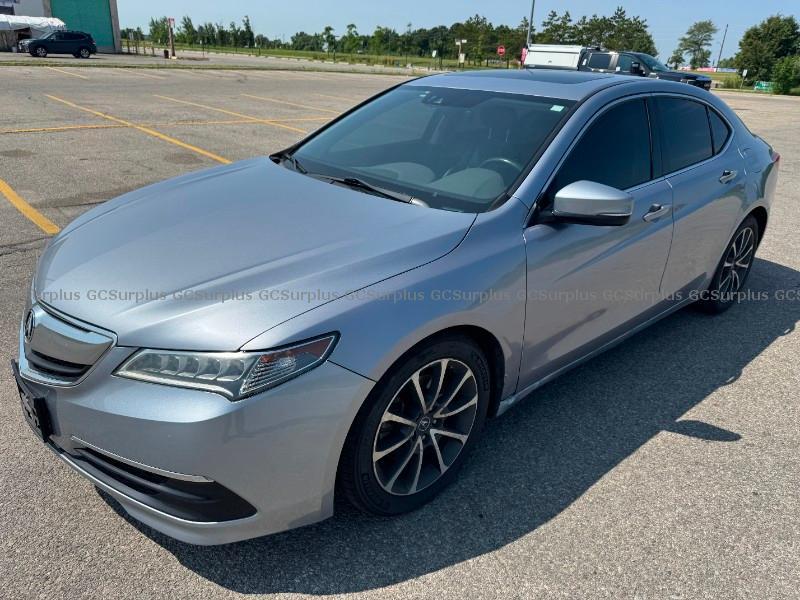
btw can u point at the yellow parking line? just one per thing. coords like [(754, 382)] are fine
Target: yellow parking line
[(61, 128), (67, 72), (336, 97), (158, 124), (235, 114), (143, 129), (27, 210), (138, 73), (295, 104)]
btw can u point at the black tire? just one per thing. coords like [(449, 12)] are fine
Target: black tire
[(39, 51), (84, 52), (729, 279), (439, 457)]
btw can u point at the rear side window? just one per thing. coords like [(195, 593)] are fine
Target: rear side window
[(685, 133), (615, 150), (720, 132), (599, 61)]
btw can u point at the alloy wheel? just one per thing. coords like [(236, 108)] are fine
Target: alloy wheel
[(737, 263), (41, 52), (84, 53), (425, 427)]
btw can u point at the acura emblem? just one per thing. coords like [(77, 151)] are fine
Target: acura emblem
[(30, 323)]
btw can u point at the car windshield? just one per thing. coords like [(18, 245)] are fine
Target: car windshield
[(652, 63), (452, 149)]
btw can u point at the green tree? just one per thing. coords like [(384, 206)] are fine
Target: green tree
[(329, 38), (762, 45), (186, 33), (786, 74), (351, 40), (159, 30), (248, 37), (697, 42), (557, 29), (676, 60)]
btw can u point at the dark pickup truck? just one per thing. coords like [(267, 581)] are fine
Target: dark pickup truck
[(637, 64)]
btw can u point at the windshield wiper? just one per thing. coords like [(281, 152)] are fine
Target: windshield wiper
[(289, 157), (360, 184)]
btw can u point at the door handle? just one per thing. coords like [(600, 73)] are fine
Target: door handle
[(656, 212), (728, 175)]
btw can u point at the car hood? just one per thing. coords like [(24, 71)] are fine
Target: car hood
[(683, 75), (207, 261)]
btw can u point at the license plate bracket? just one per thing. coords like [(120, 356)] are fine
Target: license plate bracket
[(34, 408)]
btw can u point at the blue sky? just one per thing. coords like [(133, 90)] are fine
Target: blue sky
[(668, 19)]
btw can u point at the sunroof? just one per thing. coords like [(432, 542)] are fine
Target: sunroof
[(543, 75)]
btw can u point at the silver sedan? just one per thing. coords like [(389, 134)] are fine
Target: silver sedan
[(226, 351)]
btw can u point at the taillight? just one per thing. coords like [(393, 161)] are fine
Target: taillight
[(776, 158)]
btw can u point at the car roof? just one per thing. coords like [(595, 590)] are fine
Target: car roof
[(550, 83)]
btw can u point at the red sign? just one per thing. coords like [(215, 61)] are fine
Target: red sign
[(501, 50), (524, 55)]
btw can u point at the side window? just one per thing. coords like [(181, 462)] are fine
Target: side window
[(624, 63), (615, 150), (720, 132), (599, 60), (685, 133)]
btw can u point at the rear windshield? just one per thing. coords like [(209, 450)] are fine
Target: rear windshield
[(453, 149)]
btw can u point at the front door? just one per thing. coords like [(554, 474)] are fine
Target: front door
[(587, 284)]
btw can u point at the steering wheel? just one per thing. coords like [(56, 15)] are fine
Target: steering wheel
[(502, 160)]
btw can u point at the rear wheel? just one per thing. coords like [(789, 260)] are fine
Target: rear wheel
[(84, 52), (415, 431), (733, 269)]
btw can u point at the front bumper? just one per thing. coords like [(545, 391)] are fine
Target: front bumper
[(276, 452)]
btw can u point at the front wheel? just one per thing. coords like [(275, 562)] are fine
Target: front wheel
[(40, 51), (416, 429), (733, 269)]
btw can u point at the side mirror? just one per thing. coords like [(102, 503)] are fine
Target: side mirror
[(636, 69), (591, 203)]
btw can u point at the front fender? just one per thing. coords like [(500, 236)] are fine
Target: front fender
[(480, 284)]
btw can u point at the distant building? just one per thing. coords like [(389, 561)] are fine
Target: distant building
[(97, 17)]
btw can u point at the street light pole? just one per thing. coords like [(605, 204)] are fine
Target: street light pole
[(530, 24), (722, 45)]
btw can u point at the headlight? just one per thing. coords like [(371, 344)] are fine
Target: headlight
[(235, 375)]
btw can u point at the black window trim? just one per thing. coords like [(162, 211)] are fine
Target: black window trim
[(709, 110), (645, 96), (707, 106)]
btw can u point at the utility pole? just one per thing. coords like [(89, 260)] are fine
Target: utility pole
[(530, 25), (171, 23), (722, 45)]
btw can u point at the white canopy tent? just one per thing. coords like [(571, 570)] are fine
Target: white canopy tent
[(15, 27)]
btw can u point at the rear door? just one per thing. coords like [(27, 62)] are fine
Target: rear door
[(588, 284), (707, 174)]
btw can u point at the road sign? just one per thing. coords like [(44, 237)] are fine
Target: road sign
[(501, 50), (744, 73)]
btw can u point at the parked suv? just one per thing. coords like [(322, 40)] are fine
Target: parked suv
[(77, 43), (637, 63)]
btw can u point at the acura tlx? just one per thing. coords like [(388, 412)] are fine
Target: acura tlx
[(226, 351)]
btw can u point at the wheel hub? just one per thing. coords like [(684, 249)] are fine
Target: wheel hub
[(425, 427)]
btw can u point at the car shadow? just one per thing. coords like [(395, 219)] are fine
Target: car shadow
[(530, 464)]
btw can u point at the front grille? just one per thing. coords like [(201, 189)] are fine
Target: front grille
[(57, 350), (55, 367), (189, 500)]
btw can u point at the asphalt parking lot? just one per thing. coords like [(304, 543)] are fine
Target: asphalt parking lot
[(667, 468)]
